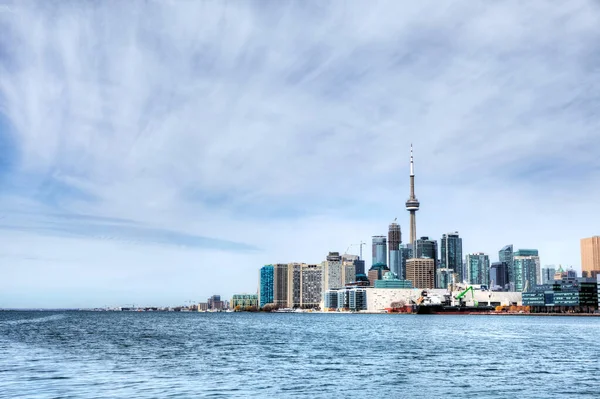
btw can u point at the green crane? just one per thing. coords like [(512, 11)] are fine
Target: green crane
[(462, 294)]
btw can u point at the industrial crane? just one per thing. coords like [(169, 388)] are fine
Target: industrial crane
[(361, 245), (463, 293)]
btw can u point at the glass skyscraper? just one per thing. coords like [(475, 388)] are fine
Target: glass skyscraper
[(427, 248), (406, 252), (506, 255), (379, 250), (451, 257), (478, 268), (499, 275), (526, 268), (266, 285), (395, 257)]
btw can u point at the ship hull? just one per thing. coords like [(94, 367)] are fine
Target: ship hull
[(453, 310)]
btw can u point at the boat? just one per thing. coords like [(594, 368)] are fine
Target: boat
[(457, 310)]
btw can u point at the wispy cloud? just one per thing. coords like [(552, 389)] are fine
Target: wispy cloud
[(285, 126)]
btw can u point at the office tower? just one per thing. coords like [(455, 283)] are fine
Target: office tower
[(590, 257), (394, 241), (506, 255), (311, 285), (412, 205), (499, 276), (333, 272), (478, 268), (427, 248), (266, 285), (548, 273), (379, 250), (421, 272), (451, 257), (280, 284), (406, 253), (526, 265)]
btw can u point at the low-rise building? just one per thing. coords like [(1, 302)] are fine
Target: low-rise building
[(564, 296), (390, 280), (244, 301)]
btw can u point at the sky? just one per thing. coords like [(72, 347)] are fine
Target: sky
[(156, 153)]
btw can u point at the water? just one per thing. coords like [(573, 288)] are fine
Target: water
[(184, 355)]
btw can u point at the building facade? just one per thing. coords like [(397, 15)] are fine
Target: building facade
[(406, 253), (394, 255), (265, 290), (478, 268), (451, 257), (499, 276), (525, 266), (376, 272), (379, 249), (590, 257), (506, 255), (548, 273), (333, 272), (390, 280), (280, 285), (244, 301), (421, 272), (577, 296), (311, 286)]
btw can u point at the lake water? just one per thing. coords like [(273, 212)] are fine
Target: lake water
[(185, 355)]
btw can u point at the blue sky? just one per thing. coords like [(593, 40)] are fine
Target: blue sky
[(159, 152)]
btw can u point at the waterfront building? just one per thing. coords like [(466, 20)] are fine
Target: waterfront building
[(333, 272), (390, 280), (394, 255), (331, 299), (379, 249), (265, 290), (311, 286), (590, 256), (280, 285), (533, 253), (451, 256), (376, 272), (421, 272), (478, 268), (525, 265), (244, 301), (359, 264), (548, 273), (215, 303), (294, 285), (343, 301), (576, 296), (361, 281), (412, 204), (202, 306), (499, 276), (506, 255), (357, 299)]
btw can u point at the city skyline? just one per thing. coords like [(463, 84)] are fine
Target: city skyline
[(138, 168)]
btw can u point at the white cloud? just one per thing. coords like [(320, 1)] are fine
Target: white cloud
[(225, 120)]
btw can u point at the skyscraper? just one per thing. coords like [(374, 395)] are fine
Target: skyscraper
[(280, 284), (499, 276), (548, 273), (420, 271), (427, 248), (451, 257), (333, 272), (406, 253), (526, 265), (590, 257), (412, 205), (266, 285), (478, 268), (506, 255), (379, 250), (394, 255)]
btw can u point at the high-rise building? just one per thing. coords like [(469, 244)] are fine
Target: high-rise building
[(311, 286), (357, 264), (215, 303), (294, 285), (526, 265), (406, 253), (478, 268), (265, 290), (379, 250), (394, 255), (412, 205), (376, 272), (590, 257), (333, 272), (280, 284), (499, 276), (506, 255), (427, 248), (421, 272), (451, 257), (548, 273)]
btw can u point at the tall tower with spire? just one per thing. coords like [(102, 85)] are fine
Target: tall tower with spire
[(412, 205)]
